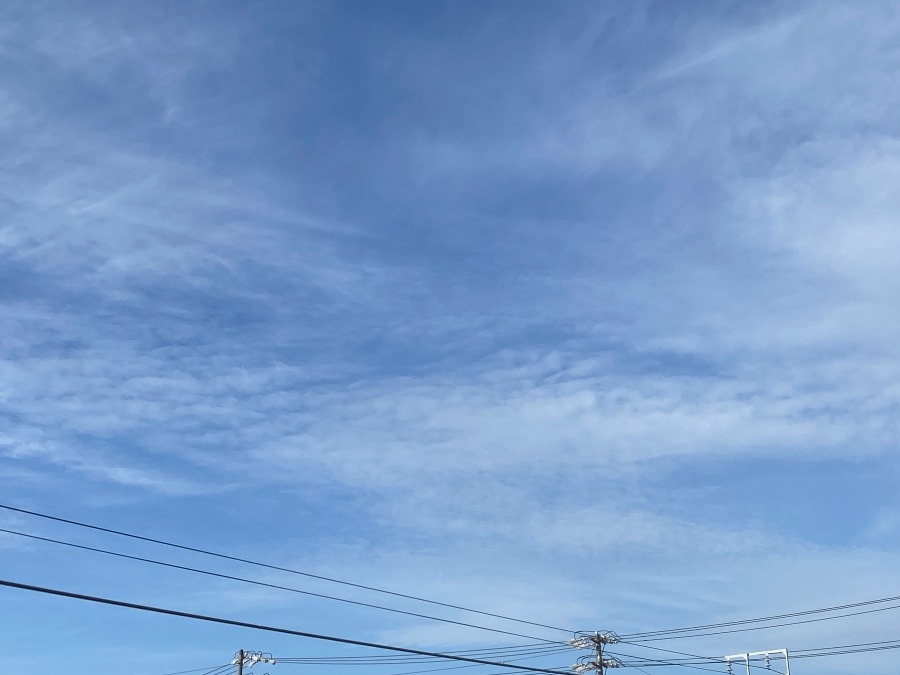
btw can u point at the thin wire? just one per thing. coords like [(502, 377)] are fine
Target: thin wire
[(262, 627), (771, 625), (428, 670), (637, 668), (669, 665), (377, 658), (774, 617), (700, 660), (208, 670), (670, 651), (256, 563), (244, 580), (859, 644), (663, 663), (418, 672), (704, 659), (495, 673), (652, 662), (337, 662), (221, 670), (846, 649)]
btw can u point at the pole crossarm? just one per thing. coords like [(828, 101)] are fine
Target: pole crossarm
[(746, 657)]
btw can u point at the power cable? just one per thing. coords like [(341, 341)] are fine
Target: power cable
[(671, 651), (291, 589), (262, 627), (208, 670), (845, 649), (637, 668), (699, 659), (221, 670), (859, 644), (752, 628), (256, 563), (511, 650), (416, 672), (762, 619), (656, 662), (696, 662), (391, 660)]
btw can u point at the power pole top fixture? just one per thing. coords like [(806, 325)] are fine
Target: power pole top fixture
[(595, 641), (591, 640), (250, 659)]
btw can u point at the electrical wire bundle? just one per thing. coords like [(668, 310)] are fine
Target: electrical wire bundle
[(508, 657)]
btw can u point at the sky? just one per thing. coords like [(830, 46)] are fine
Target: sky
[(584, 313)]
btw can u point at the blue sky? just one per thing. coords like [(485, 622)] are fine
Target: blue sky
[(585, 313)]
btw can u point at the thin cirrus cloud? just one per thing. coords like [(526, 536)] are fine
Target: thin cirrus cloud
[(479, 298), (123, 225)]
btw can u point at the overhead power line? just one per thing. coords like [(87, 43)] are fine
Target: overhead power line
[(507, 649), (810, 653), (643, 661), (295, 661), (774, 617), (270, 629), (244, 580), (493, 653), (694, 659), (640, 669), (209, 670), (599, 641), (816, 652), (636, 641), (256, 563), (846, 649), (672, 651)]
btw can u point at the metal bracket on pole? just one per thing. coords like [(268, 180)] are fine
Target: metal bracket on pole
[(748, 656), (250, 659), (596, 641)]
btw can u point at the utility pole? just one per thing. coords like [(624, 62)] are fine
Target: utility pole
[(746, 657), (251, 659), (596, 641)]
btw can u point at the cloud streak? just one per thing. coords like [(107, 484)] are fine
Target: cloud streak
[(465, 299)]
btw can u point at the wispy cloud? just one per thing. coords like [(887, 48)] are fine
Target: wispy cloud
[(481, 299)]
